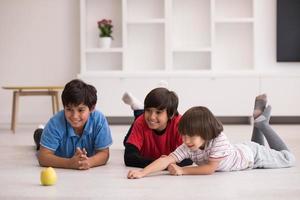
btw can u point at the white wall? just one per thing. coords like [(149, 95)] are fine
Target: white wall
[(39, 45)]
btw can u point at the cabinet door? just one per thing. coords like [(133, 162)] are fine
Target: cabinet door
[(283, 94), (224, 96)]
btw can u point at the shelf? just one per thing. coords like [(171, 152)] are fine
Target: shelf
[(148, 21), (99, 50), (234, 20), (166, 35), (192, 49), (202, 45), (181, 74)]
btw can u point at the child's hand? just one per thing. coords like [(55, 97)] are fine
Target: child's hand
[(80, 159), (74, 161), (84, 162), (134, 174), (175, 170)]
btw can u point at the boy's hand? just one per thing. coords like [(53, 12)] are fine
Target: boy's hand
[(175, 170), (134, 174), (84, 160), (84, 164), (80, 159)]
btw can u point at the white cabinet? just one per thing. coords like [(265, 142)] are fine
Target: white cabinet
[(203, 48), (168, 35), (283, 93), (224, 95), (111, 89)]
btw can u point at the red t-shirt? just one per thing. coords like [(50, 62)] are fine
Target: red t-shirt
[(152, 145)]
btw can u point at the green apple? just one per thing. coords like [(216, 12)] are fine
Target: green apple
[(48, 176)]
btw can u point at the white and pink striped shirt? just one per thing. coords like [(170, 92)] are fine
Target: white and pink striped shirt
[(233, 157)]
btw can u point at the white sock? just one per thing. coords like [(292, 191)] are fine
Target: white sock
[(163, 83), (41, 126), (134, 103)]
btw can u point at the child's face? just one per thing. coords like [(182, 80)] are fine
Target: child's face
[(193, 143), (77, 116), (156, 119)]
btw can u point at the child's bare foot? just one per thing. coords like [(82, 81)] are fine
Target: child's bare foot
[(259, 105)]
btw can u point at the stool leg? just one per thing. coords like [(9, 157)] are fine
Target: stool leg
[(14, 114), (57, 101), (53, 103)]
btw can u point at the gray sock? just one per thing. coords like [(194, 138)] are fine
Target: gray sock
[(264, 116), (259, 105), (273, 139)]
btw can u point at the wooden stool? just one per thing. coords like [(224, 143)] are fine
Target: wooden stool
[(32, 91)]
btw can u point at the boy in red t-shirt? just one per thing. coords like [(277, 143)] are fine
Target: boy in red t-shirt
[(154, 132)]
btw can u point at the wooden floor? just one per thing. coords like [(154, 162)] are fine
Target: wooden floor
[(19, 174)]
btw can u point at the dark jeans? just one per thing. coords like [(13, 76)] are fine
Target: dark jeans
[(37, 137), (136, 114)]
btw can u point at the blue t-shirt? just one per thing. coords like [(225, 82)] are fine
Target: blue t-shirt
[(59, 136)]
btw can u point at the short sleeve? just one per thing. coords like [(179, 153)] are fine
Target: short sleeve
[(50, 137), (103, 137), (136, 136), (177, 134), (181, 153)]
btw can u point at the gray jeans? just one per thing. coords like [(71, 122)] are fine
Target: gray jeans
[(265, 157)]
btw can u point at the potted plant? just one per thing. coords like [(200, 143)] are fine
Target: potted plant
[(105, 26)]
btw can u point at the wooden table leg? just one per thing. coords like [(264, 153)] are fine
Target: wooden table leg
[(14, 114), (53, 103), (57, 101)]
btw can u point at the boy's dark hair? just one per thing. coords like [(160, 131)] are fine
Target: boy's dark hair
[(162, 98), (76, 92), (199, 121)]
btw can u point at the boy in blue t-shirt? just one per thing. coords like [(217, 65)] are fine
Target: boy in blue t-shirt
[(77, 137)]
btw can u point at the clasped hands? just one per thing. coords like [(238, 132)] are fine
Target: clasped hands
[(80, 160)]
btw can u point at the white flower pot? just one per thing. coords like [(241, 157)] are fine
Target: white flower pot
[(105, 42)]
